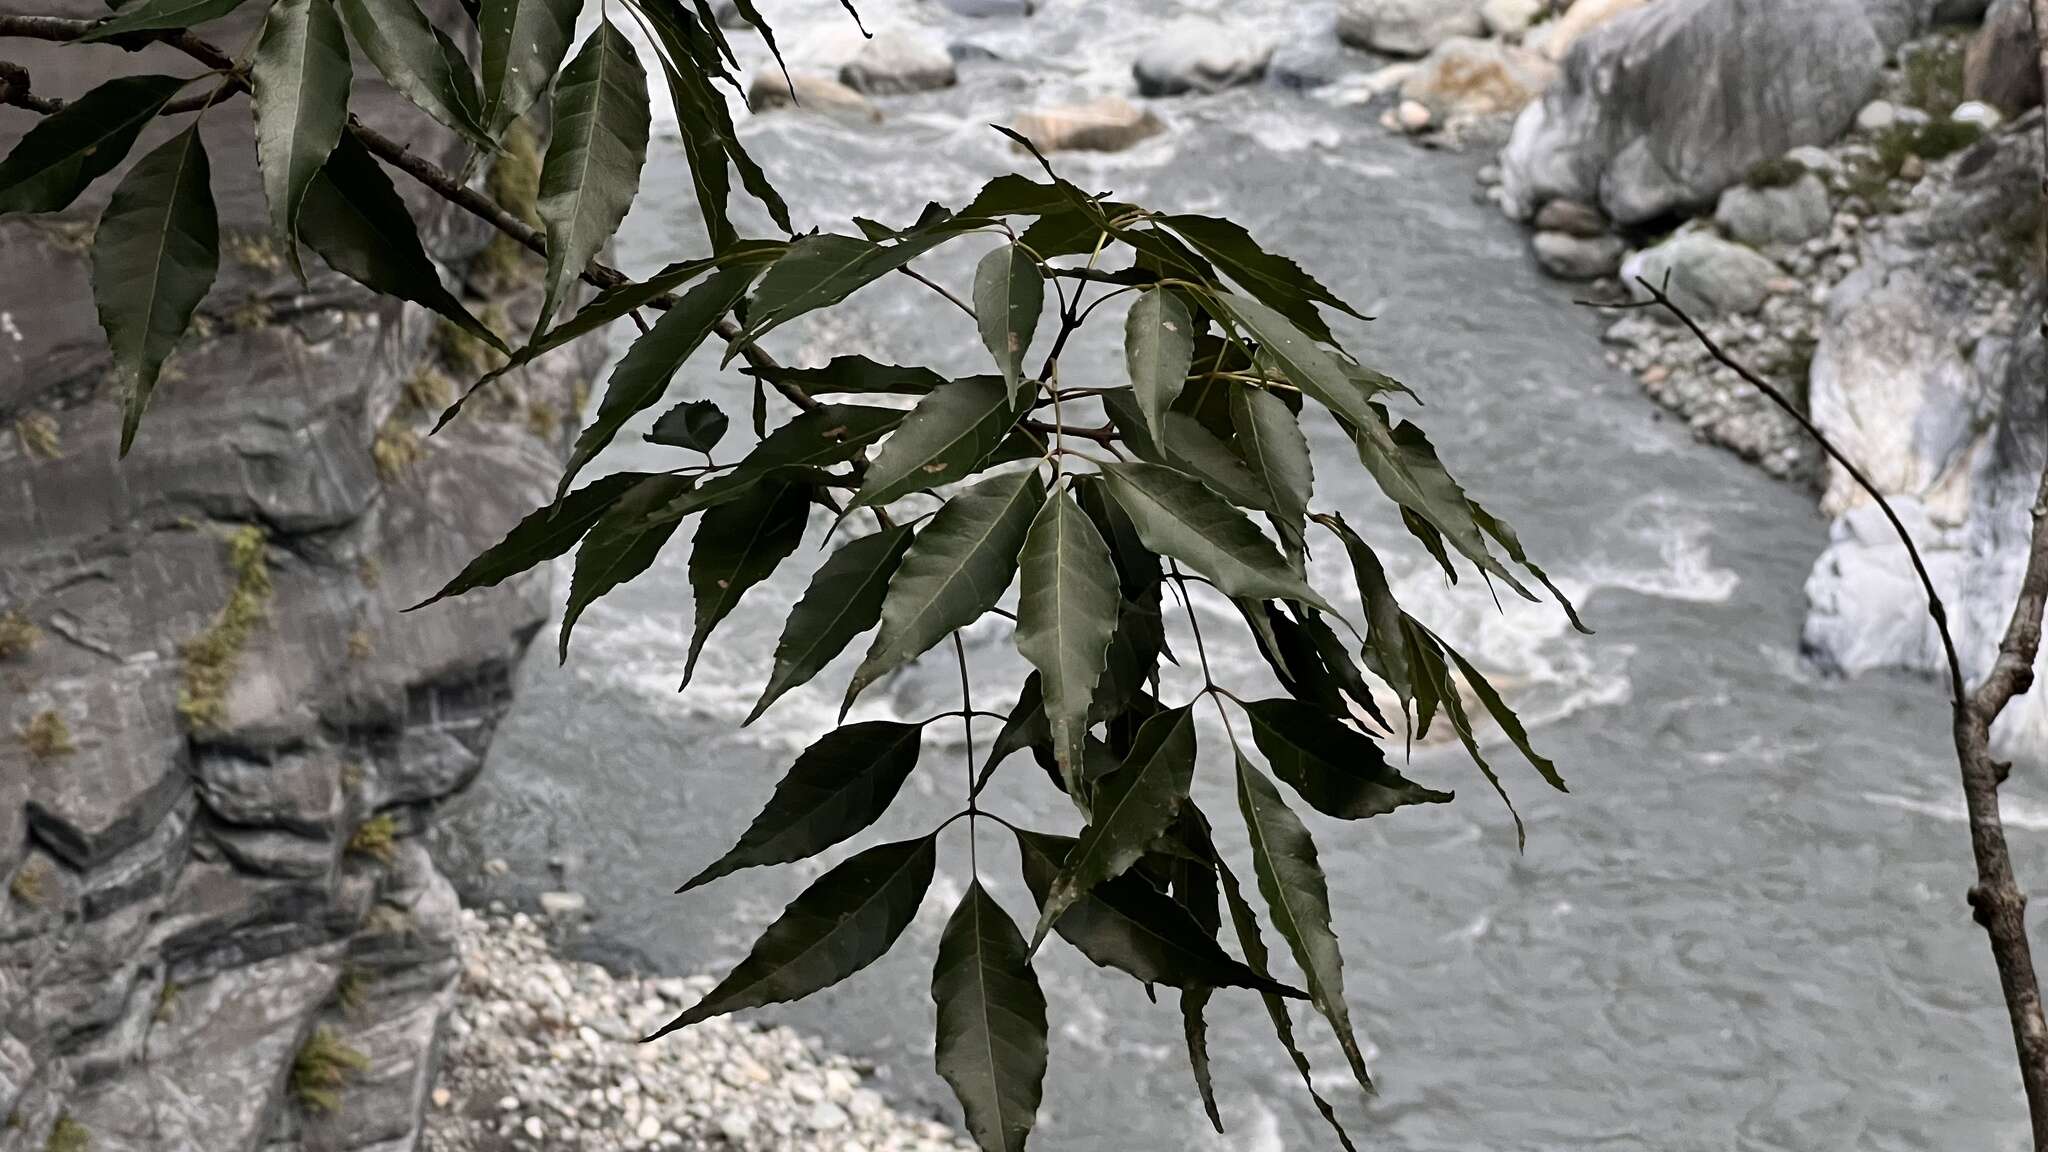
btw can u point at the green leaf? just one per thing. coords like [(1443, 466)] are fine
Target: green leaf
[(1506, 718), (1069, 232), (358, 223), (1405, 466), (1159, 348), (1025, 727), (644, 372), (1386, 647), (1510, 543), (738, 545), (621, 545), (1194, 1028), (843, 601), (592, 169), (1246, 923), (524, 43), (55, 160), (836, 789), (1176, 516), (1298, 896), (1336, 768), (543, 535), (1009, 294), (822, 269), (301, 79), (153, 260), (1066, 613), (419, 61), (845, 921), (827, 434), (151, 15), (1129, 809), (991, 1030), (943, 440), (1127, 924), (855, 375), (1308, 366), (957, 568), (1270, 439), (1278, 281), (1015, 194), (694, 424), (1192, 448)]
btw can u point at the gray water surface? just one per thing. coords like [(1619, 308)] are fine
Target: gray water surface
[(1743, 929)]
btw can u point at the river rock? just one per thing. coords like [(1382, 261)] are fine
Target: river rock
[(1406, 27), (1785, 215), (1509, 19), (2001, 67), (1463, 77), (809, 92), (895, 62), (1197, 55), (1708, 276), (1570, 257), (1556, 37), (987, 9), (1897, 21), (1110, 124), (1572, 218), (1662, 107)]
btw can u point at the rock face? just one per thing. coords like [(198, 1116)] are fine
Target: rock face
[(212, 844), (1463, 77), (1707, 276), (2000, 67), (1929, 372), (896, 62), (1110, 124), (1193, 55), (1783, 215), (1407, 27), (1662, 107)]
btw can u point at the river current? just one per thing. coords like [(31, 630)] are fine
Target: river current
[(1743, 929)]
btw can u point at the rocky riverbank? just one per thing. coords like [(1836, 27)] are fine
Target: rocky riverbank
[(543, 1052)]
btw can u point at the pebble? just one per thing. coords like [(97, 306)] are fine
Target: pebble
[(1877, 116), (539, 1055), (1977, 112), (560, 904)]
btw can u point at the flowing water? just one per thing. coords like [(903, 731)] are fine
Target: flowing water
[(1743, 929)]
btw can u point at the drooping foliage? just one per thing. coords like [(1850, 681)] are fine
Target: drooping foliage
[(1105, 503)]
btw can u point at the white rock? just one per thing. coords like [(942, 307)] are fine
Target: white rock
[(1200, 55), (1977, 112), (1406, 27), (650, 1127), (825, 1117), (1110, 124), (535, 1130), (560, 904), (508, 1103), (1510, 18), (1469, 77), (898, 61), (1412, 115), (1877, 116), (1556, 37)]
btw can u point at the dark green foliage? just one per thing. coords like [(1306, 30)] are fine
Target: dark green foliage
[(1200, 484)]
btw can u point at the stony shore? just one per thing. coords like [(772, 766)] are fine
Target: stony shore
[(545, 1052)]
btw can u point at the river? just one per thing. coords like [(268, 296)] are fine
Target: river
[(1743, 929)]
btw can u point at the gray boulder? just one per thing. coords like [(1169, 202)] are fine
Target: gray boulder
[(1195, 55), (2001, 68), (987, 9), (809, 92), (1569, 257), (1662, 107), (1786, 215), (1572, 218), (1407, 27), (897, 62), (1110, 124), (1704, 274)]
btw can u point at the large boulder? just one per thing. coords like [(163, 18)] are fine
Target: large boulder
[(1787, 214), (2001, 67), (1556, 37), (1196, 55), (1664, 106), (1704, 274), (1407, 27), (1467, 77), (895, 62), (1110, 124)]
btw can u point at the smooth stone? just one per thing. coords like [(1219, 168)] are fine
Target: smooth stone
[(809, 92), (1708, 276), (1463, 77), (1110, 124), (1572, 217), (1509, 19), (1788, 215), (897, 62), (1199, 55), (1569, 257), (1406, 27)]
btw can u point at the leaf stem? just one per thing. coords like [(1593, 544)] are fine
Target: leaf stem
[(967, 711)]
